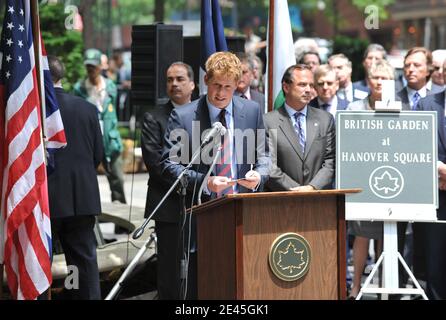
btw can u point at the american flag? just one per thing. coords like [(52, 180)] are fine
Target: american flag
[(25, 234)]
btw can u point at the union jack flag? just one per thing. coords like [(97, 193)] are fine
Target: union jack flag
[(25, 228)]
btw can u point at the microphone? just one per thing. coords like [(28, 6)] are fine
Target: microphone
[(217, 128)]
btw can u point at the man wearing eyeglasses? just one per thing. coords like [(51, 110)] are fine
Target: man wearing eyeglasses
[(326, 85)]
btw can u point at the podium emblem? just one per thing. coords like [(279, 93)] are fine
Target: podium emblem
[(289, 256)]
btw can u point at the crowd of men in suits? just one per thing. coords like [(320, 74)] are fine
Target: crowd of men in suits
[(299, 156)]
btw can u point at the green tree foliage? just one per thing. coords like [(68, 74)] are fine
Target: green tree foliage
[(133, 12), (354, 49), (380, 4), (66, 44)]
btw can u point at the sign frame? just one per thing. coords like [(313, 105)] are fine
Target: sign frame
[(385, 210)]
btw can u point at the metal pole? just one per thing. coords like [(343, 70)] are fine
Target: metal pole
[(119, 285), (270, 79)]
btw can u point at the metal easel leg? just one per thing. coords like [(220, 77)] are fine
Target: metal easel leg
[(371, 275), (119, 285), (409, 272), (390, 258)]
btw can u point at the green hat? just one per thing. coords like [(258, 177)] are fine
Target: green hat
[(92, 57)]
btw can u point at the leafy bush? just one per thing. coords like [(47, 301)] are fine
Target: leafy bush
[(63, 43), (354, 49)]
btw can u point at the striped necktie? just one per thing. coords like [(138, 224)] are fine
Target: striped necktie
[(416, 97), (298, 127), (223, 168)]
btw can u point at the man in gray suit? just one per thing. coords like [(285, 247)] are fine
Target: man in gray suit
[(302, 139), (417, 71), (243, 88)]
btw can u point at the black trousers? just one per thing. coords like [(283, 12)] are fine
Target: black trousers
[(79, 245), (170, 253)]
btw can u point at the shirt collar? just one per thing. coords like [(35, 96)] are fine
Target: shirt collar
[(214, 112), (248, 93), (292, 111), (411, 92), (176, 105), (332, 102)]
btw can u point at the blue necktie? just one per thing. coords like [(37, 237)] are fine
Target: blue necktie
[(416, 97), (224, 167), (298, 126)]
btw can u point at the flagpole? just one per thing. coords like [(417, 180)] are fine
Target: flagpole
[(271, 56), (34, 5)]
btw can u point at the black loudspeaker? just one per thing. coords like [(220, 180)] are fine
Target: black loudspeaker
[(192, 50), (154, 48)]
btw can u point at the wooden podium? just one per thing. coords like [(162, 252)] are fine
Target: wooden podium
[(235, 234)]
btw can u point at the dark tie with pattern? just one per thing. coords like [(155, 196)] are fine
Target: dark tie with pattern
[(298, 125), (223, 167)]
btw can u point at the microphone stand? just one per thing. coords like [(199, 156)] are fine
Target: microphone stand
[(214, 161), (138, 232)]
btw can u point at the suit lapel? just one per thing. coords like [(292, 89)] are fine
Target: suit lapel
[(286, 125), (312, 129), (404, 98), (202, 115)]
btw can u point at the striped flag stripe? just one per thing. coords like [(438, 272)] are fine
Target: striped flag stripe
[(24, 191), (45, 228), (27, 286), (35, 251), (20, 141), (15, 101)]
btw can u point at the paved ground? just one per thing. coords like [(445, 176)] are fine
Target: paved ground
[(135, 188)]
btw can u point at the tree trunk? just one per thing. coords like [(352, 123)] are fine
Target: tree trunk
[(159, 10), (85, 10)]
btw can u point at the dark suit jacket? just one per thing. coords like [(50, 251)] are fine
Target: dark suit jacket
[(257, 97), (73, 186), (342, 104), (435, 102), (291, 168), (361, 85), (247, 115), (430, 238), (152, 142), (404, 98)]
